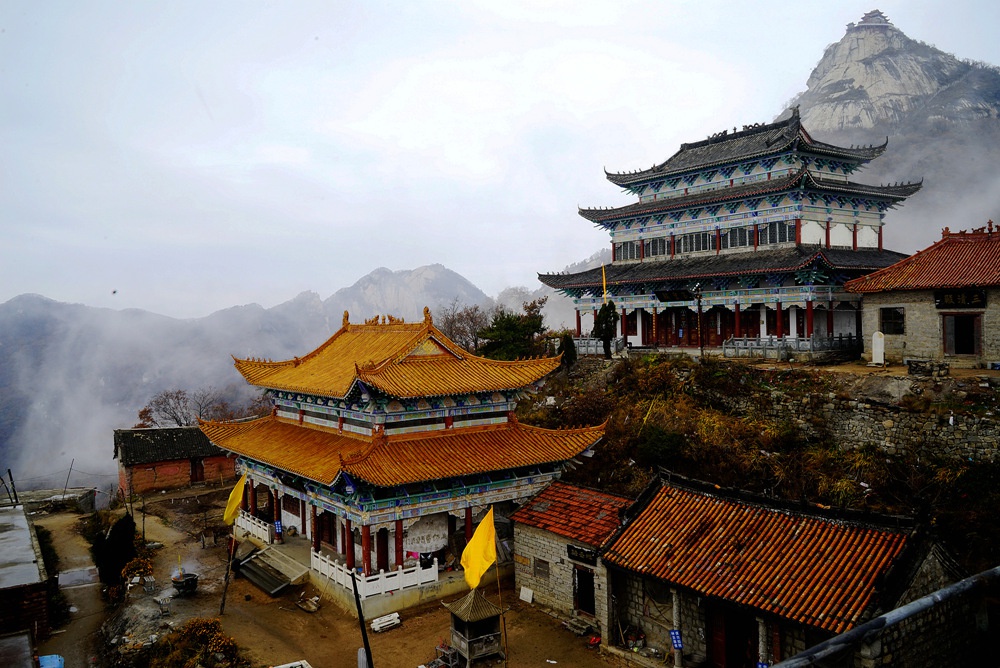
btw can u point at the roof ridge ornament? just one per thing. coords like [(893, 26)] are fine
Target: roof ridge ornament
[(428, 318), (347, 319)]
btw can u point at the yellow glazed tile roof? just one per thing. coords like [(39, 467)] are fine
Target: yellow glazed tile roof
[(319, 453), (399, 359)]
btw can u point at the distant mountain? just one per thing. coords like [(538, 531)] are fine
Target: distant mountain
[(941, 116), (70, 374)]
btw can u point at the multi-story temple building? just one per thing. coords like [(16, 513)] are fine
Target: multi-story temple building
[(761, 227), (384, 444)]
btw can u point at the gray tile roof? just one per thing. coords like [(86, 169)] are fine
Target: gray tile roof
[(144, 446), (771, 260), (754, 142)]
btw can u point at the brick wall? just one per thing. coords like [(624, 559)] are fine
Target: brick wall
[(173, 474), (25, 607)]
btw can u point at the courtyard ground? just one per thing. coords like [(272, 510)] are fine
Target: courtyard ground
[(275, 630)]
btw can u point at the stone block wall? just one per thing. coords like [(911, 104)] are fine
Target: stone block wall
[(555, 591), (924, 337), (858, 424)]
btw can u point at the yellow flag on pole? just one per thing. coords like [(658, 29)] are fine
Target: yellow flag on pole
[(481, 551), (235, 499)]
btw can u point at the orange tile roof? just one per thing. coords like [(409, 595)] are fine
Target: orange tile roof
[(574, 512), (320, 453), (400, 359), (958, 260), (808, 569)]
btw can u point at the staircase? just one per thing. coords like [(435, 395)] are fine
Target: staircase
[(272, 571)]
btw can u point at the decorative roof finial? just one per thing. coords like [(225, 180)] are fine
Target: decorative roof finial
[(428, 320), (347, 319)]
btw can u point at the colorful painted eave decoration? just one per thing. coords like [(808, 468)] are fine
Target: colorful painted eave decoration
[(320, 454), (808, 569), (803, 179), (958, 260), (405, 360)]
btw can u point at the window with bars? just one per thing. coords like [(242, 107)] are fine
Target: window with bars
[(892, 320), (656, 247)]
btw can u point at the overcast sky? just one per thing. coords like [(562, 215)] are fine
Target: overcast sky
[(183, 157)]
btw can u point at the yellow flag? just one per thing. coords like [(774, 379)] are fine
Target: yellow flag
[(235, 499), (481, 551)]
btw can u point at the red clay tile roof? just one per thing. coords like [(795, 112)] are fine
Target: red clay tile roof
[(808, 569), (400, 359), (320, 454), (958, 260), (582, 514)]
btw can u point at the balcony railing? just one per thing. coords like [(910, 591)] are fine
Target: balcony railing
[(373, 585), (772, 347)]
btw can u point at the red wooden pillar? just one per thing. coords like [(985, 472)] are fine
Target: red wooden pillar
[(756, 236), (398, 540), (829, 319), (809, 318), (656, 340), (779, 328), (642, 250), (880, 238), (245, 499), (854, 237), (315, 532), (718, 240), (857, 323), (612, 251), (382, 550), (624, 326), (366, 548), (579, 325), (673, 245), (349, 544), (739, 326), (798, 231), (828, 234)]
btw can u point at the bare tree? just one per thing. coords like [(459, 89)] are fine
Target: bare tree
[(169, 408), (462, 324), (180, 408)]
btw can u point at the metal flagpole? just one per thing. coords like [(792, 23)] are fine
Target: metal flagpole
[(503, 618)]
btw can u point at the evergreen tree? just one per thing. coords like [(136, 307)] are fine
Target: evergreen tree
[(568, 349), (606, 326)]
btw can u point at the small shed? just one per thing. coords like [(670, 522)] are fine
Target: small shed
[(475, 627), (168, 458)]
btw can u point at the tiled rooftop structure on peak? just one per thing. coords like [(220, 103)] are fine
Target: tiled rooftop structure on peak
[(763, 223), (387, 434)]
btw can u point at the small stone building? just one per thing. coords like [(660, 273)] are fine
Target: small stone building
[(941, 304), (557, 535), (150, 460), (746, 579)]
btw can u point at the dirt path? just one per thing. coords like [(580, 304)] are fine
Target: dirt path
[(77, 642)]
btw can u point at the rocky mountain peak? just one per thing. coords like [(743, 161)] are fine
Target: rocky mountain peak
[(877, 77)]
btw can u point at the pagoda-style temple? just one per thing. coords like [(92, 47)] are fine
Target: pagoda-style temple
[(383, 446), (760, 227)]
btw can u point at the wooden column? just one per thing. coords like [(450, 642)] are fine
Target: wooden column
[(779, 326), (718, 240), (809, 318), (612, 251), (245, 499), (468, 524), (673, 245), (579, 325), (381, 550), (739, 326), (349, 544), (828, 234), (253, 498), (798, 231), (829, 319), (398, 540), (756, 236), (624, 325), (656, 340), (880, 238), (315, 532), (854, 237), (366, 549)]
